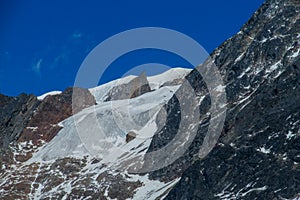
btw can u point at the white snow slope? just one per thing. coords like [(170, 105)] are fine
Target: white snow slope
[(100, 131)]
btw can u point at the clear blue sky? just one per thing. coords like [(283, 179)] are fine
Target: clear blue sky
[(43, 43)]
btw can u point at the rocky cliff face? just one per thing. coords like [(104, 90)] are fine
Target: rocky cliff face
[(15, 114), (257, 155), (26, 119)]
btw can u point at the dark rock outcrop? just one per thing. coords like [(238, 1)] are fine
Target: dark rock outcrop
[(130, 136), (15, 114), (26, 119), (43, 125), (81, 98), (134, 88), (54, 109)]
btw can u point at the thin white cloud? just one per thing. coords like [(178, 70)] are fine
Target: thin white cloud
[(58, 60), (77, 35), (37, 66)]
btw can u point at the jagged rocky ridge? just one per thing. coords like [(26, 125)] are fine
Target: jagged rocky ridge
[(256, 157), (258, 153)]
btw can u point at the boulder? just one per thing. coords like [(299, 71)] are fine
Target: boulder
[(130, 136)]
